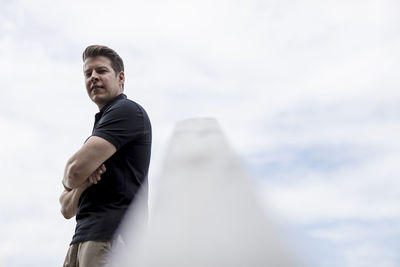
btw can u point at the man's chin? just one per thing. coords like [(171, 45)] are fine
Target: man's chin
[(99, 100)]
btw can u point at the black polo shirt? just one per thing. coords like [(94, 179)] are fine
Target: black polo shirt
[(102, 206)]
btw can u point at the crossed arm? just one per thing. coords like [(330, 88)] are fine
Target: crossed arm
[(82, 170)]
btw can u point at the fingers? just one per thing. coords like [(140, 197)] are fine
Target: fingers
[(95, 177), (92, 179), (102, 168)]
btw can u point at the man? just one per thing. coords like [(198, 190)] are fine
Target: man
[(103, 177)]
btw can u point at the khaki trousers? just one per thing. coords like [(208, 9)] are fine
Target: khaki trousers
[(88, 254)]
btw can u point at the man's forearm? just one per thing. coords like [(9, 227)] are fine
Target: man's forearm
[(70, 197), (69, 200), (72, 177), (86, 160)]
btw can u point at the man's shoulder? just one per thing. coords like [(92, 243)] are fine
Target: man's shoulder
[(126, 109), (122, 105)]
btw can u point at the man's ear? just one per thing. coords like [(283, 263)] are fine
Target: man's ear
[(121, 77)]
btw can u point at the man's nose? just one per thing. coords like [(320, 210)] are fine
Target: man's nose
[(94, 76)]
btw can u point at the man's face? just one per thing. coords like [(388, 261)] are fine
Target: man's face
[(102, 83)]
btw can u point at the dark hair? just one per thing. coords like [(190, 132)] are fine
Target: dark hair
[(100, 50)]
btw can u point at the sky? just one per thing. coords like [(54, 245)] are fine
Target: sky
[(305, 91)]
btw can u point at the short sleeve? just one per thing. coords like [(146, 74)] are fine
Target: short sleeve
[(121, 123)]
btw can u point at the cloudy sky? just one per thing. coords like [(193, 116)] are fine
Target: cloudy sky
[(306, 92)]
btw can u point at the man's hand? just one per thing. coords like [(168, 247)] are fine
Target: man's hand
[(70, 197), (95, 177)]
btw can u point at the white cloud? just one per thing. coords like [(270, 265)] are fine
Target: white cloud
[(360, 243), (370, 255), (367, 191)]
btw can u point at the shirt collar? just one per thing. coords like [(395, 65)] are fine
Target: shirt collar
[(118, 97)]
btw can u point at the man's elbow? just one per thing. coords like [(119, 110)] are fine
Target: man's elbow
[(67, 214), (73, 178), (73, 181)]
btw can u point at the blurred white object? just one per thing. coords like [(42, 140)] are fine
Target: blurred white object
[(205, 213)]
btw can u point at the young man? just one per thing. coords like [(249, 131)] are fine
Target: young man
[(103, 177)]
